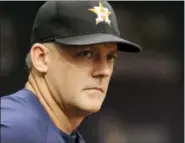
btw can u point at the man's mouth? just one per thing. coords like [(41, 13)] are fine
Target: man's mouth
[(95, 88)]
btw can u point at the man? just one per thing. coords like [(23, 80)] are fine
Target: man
[(71, 60)]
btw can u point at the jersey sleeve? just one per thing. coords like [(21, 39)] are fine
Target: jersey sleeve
[(20, 132), (18, 126)]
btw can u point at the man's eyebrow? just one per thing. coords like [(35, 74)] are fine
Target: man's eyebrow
[(114, 52)]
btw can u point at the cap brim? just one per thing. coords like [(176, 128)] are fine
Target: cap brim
[(90, 39)]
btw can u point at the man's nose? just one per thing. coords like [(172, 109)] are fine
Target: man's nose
[(102, 68)]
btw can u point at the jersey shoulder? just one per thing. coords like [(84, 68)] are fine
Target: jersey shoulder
[(19, 122)]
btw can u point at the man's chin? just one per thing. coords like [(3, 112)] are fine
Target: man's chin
[(88, 111), (93, 109)]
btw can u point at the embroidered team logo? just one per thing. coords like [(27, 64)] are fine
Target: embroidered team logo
[(102, 13)]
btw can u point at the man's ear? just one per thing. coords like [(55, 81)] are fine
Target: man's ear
[(39, 57)]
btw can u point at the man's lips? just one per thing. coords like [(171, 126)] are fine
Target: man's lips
[(95, 88)]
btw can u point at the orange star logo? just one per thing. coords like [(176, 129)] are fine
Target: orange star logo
[(102, 14)]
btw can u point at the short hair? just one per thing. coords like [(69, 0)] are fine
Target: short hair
[(28, 61)]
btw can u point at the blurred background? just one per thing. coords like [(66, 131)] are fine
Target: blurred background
[(145, 101)]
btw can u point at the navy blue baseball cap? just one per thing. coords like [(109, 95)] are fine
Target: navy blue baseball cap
[(79, 23)]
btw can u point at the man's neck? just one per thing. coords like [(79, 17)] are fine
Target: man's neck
[(37, 85)]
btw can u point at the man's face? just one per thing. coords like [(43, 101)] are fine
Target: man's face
[(78, 77)]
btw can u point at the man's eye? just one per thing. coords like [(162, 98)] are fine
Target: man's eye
[(85, 54), (112, 58)]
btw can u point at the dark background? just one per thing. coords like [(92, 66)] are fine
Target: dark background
[(146, 95)]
